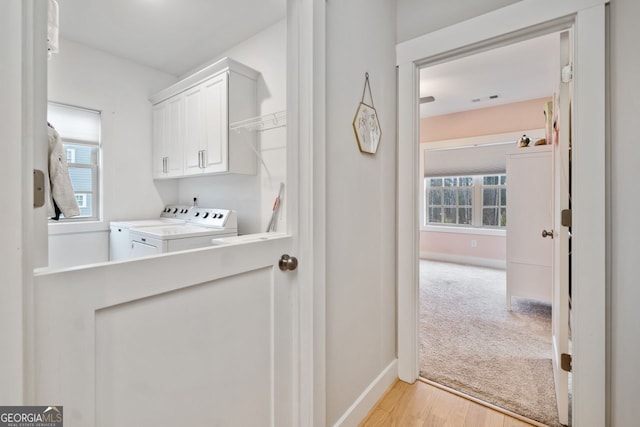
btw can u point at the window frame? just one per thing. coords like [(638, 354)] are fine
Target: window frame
[(95, 167), (477, 204)]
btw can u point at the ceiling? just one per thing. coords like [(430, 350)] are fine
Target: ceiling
[(174, 36), (517, 72)]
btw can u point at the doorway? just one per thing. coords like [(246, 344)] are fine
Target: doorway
[(475, 110), (520, 21)]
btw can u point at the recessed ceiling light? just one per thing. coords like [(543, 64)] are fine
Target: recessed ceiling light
[(488, 98)]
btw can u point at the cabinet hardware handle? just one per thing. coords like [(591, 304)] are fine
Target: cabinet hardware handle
[(165, 164)]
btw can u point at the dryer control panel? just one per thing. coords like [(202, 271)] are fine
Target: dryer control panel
[(211, 217)]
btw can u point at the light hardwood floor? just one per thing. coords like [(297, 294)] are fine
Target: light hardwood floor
[(421, 404)]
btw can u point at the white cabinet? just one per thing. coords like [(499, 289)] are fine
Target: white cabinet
[(168, 136), (207, 134), (191, 122), (529, 212)]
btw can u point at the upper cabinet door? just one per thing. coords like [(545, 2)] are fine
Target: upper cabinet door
[(194, 135), (168, 135), (175, 141), (160, 134), (216, 128), (206, 127)]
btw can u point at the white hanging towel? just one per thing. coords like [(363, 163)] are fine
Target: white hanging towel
[(61, 190), (52, 28)]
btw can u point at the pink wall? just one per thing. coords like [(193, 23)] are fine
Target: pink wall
[(485, 121), (458, 246)]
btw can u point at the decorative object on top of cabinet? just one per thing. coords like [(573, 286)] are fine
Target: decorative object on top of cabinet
[(524, 141), (191, 122), (261, 123)]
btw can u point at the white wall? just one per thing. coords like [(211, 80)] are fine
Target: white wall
[(360, 200), (625, 205), (86, 77), (253, 196), (418, 17)]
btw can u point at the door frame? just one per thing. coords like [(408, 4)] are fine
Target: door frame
[(306, 152), (521, 20)]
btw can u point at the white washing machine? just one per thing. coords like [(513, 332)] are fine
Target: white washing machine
[(201, 225), (120, 240)]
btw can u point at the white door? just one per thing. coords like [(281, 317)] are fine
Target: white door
[(214, 330), (560, 303)]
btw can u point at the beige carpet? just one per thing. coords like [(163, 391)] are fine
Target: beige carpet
[(471, 343)]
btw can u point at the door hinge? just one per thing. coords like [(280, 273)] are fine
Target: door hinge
[(565, 218), (567, 73), (38, 188), (565, 362)]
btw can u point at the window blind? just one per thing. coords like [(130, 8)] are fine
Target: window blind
[(483, 159), (74, 123)]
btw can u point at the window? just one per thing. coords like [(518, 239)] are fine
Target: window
[(71, 155), (82, 200), (450, 200), (79, 129), (471, 201), (494, 201)]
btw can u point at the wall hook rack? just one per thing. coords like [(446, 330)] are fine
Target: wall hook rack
[(261, 123)]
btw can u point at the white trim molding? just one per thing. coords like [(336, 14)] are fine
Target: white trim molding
[(462, 259), (306, 151), (363, 404), (519, 21)]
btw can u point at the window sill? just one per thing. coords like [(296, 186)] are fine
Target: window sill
[(464, 230), (56, 228)]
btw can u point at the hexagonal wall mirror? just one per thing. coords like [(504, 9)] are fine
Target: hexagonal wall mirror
[(367, 128)]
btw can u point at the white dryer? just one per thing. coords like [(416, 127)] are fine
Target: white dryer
[(200, 227), (119, 237)]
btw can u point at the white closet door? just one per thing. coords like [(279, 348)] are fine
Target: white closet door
[(529, 195)]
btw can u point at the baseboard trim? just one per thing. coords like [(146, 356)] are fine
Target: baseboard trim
[(369, 397), (461, 259)]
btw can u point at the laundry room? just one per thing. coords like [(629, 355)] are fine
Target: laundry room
[(138, 145)]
